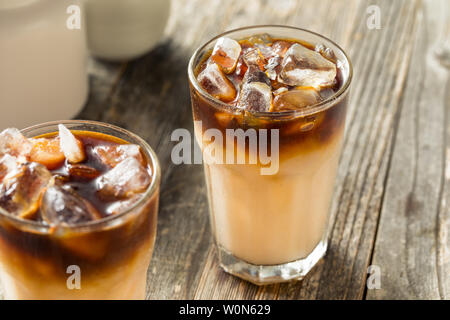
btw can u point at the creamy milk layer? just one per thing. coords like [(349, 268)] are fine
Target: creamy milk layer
[(273, 219), (124, 282)]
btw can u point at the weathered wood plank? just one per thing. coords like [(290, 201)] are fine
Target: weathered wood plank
[(103, 78), (412, 247), (369, 133)]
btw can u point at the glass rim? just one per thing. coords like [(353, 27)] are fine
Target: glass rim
[(323, 105), (112, 220)]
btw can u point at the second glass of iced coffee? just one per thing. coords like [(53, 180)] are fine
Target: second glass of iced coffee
[(269, 106), (78, 211)]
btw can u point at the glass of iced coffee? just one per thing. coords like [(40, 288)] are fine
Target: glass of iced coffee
[(269, 106), (78, 211)]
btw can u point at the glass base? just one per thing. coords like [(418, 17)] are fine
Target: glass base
[(268, 274)]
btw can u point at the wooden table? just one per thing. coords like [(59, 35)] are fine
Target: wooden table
[(391, 201)]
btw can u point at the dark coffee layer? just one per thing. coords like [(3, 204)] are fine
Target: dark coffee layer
[(94, 248), (300, 129), (93, 251), (298, 133)]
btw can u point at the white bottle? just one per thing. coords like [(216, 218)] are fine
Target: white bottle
[(43, 73), (125, 29)]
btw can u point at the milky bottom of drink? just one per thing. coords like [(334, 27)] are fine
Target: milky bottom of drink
[(267, 220), (126, 281)]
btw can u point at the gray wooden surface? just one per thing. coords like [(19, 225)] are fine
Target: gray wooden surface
[(391, 201)]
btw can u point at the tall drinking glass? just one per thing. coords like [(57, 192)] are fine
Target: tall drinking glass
[(271, 227)]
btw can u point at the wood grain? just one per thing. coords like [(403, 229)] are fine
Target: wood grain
[(412, 241)]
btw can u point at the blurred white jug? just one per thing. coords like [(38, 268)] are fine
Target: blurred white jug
[(125, 29), (43, 57)]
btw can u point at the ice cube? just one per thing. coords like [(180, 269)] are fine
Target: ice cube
[(13, 142), (280, 47), (254, 74), (296, 99), (216, 83), (125, 179), (266, 51), (21, 191), (263, 43), (272, 67), (254, 57), (241, 68), (111, 155), (120, 206), (280, 91), (255, 96), (262, 38), (47, 151), (326, 93), (226, 53), (70, 146), (8, 165), (305, 67), (326, 52), (61, 205)]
